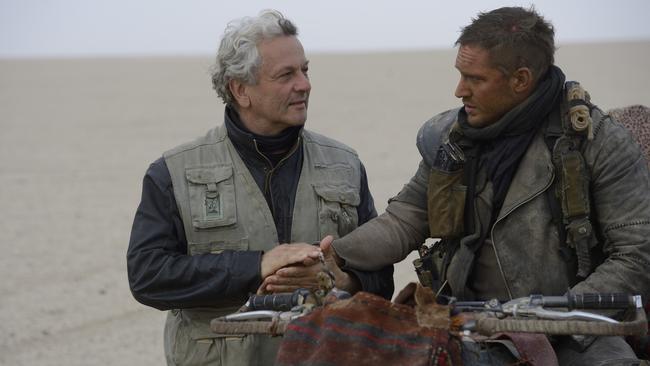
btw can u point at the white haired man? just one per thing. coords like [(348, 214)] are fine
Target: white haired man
[(214, 211)]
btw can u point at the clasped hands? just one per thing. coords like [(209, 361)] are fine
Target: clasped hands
[(288, 267)]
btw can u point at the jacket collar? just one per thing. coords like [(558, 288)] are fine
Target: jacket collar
[(534, 175)]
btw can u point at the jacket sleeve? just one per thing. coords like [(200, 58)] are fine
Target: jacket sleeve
[(390, 237), (160, 272), (620, 188), (379, 282)]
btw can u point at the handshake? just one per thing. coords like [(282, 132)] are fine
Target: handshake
[(289, 267)]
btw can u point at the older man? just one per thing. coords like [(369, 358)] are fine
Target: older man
[(533, 189), (213, 211)]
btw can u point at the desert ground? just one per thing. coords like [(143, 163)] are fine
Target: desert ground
[(76, 136)]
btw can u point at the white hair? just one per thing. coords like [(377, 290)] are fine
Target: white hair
[(237, 57)]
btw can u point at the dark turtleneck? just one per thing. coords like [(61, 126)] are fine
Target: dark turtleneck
[(273, 148), (275, 162)]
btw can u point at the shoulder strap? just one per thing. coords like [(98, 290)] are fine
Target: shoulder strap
[(552, 134), (572, 183)]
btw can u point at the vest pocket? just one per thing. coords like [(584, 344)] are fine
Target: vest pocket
[(212, 196), (337, 209)]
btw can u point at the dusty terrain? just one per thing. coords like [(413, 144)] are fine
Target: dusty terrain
[(77, 135)]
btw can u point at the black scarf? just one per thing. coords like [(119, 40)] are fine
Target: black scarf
[(500, 146)]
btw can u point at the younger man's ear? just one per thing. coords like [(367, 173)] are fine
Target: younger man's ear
[(522, 80)]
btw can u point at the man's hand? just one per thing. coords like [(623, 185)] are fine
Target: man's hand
[(288, 254), (291, 278), (344, 281), (303, 275)]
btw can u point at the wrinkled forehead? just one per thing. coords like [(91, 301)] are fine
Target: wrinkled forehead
[(280, 52)]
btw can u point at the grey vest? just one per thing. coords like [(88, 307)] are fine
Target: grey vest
[(222, 208)]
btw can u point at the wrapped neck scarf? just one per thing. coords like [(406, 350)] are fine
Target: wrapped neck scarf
[(501, 145)]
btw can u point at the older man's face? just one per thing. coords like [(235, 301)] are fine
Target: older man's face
[(486, 92), (281, 95)]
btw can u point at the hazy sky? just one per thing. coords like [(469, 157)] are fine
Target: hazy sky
[(176, 27)]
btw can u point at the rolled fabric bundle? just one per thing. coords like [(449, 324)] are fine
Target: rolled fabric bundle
[(580, 118), (636, 118)]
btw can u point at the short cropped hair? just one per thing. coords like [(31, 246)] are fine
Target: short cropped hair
[(514, 37), (237, 57)]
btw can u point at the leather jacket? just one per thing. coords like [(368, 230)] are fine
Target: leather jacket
[(526, 240)]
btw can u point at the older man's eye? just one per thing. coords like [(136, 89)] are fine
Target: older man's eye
[(283, 75)]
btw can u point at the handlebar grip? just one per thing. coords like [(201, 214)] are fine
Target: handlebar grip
[(278, 302), (601, 301)]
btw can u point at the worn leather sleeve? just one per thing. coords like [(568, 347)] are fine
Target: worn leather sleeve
[(620, 188), (390, 237), (377, 282)]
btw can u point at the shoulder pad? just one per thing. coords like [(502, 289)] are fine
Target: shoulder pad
[(434, 133)]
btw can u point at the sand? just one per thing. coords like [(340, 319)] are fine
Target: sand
[(77, 135)]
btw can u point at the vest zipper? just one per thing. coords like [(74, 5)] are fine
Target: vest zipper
[(494, 246), (269, 175)]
